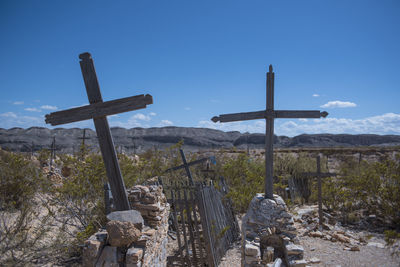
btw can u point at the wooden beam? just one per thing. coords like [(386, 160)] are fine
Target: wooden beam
[(273, 114), (296, 114), (106, 142), (99, 109), (188, 164), (240, 116), (269, 137)]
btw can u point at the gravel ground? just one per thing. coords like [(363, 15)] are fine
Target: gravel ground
[(331, 254)]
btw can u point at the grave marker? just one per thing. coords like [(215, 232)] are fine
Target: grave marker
[(98, 111), (319, 175), (186, 165), (269, 115), (83, 138)]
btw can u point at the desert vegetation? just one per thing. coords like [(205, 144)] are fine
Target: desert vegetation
[(46, 214)]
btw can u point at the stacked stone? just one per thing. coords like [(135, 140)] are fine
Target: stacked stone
[(150, 202), (269, 237), (128, 241)]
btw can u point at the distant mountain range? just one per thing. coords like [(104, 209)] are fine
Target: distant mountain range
[(141, 139)]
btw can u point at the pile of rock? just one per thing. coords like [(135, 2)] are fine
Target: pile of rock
[(127, 239), (307, 223), (269, 237), (150, 202)]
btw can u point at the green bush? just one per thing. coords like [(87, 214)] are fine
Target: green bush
[(22, 226), (373, 187)]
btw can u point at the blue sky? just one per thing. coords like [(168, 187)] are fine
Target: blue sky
[(199, 59)]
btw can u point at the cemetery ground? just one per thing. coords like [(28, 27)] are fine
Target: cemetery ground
[(46, 214)]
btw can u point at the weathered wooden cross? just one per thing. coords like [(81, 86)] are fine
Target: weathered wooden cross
[(98, 110), (269, 115), (319, 175), (52, 153), (82, 148), (186, 165)]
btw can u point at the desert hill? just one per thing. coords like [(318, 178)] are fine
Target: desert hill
[(141, 139)]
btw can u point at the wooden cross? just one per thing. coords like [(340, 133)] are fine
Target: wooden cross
[(269, 115), (319, 175), (52, 153), (98, 110), (83, 143), (186, 165)]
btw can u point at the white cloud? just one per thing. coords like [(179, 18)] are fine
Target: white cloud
[(142, 117), (166, 123), (32, 109), (10, 119), (257, 126), (339, 104), (9, 115), (315, 95), (152, 114), (136, 120), (388, 123), (48, 107), (18, 103)]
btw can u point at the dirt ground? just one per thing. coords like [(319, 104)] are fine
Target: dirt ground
[(327, 253)]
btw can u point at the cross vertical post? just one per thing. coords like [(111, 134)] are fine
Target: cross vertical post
[(269, 136), (106, 142), (319, 185), (185, 164)]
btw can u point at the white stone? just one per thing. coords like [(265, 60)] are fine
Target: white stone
[(298, 263), (293, 249), (251, 250), (376, 244), (315, 260)]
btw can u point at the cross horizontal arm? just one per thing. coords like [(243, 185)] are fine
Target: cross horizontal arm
[(300, 114), (244, 116), (99, 109), (189, 164), (263, 114)]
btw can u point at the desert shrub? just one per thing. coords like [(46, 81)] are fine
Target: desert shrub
[(20, 179), (77, 205), (22, 226), (245, 178), (373, 187)]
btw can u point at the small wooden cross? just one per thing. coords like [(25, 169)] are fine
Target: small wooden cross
[(134, 144), (319, 175), (186, 165), (98, 110), (269, 115), (83, 138), (52, 153)]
